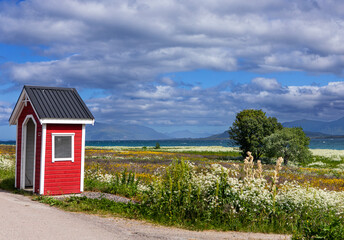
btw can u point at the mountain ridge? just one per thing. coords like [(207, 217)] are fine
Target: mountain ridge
[(334, 128), (105, 131), (187, 134)]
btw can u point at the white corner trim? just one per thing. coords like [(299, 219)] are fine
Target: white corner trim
[(23, 153), (82, 158), (53, 135), (43, 146), (34, 158), (66, 121), (15, 174), (22, 157)]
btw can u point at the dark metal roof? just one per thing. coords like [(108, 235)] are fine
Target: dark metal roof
[(57, 103)]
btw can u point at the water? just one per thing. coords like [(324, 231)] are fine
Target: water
[(326, 143), (163, 143)]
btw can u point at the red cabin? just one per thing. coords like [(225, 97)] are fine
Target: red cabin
[(50, 149)]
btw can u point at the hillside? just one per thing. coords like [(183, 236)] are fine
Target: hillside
[(331, 128), (103, 131), (186, 134), (219, 136)]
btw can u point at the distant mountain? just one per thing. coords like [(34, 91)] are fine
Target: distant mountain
[(331, 128), (219, 136), (225, 135), (187, 134), (104, 131), (316, 134)]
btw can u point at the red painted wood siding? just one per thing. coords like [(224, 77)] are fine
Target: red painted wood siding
[(63, 177), (28, 110)]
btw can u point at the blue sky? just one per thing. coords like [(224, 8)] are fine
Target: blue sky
[(177, 65)]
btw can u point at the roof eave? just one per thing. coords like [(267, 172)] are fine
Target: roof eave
[(17, 109), (66, 121)]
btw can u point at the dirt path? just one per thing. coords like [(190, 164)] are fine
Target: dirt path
[(21, 218)]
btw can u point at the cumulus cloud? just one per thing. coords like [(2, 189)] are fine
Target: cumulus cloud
[(296, 102), (111, 42), (5, 112), (122, 47), (211, 107), (267, 84)]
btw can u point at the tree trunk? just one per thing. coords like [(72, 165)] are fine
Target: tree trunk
[(286, 158)]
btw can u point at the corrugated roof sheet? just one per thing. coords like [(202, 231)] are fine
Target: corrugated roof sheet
[(59, 103)]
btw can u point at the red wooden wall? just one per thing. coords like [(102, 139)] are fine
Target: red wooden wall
[(27, 111), (63, 177)]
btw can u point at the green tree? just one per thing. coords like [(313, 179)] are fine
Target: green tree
[(249, 130), (289, 143)]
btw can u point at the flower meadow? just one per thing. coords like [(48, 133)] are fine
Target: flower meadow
[(214, 191), (242, 197)]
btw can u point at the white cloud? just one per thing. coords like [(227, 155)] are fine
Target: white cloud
[(5, 112), (266, 83), (123, 47), (160, 92), (296, 102), (119, 41), (210, 107)]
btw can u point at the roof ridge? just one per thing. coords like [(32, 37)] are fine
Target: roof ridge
[(47, 87)]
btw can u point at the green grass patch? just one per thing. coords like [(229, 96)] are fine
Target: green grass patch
[(210, 153), (93, 206), (7, 175), (123, 183), (326, 162)]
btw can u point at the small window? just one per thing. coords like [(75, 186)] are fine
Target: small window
[(63, 147)]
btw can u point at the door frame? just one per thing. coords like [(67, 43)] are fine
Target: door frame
[(23, 152)]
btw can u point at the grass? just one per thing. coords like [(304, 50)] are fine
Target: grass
[(7, 167), (144, 163), (213, 198), (202, 195), (102, 206), (124, 183)]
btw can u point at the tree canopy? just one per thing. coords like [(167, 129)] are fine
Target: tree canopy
[(289, 143), (250, 128)]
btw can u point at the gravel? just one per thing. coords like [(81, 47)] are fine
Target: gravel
[(97, 195)]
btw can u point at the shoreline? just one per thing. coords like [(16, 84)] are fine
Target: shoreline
[(213, 147), (326, 152)]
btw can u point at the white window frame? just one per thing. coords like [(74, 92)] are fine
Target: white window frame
[(53, 135)]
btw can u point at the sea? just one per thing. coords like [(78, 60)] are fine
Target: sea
[(315, 143)]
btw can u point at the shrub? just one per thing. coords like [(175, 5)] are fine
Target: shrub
[(123, 183), (290, 143), (214, 198), (7, 174)]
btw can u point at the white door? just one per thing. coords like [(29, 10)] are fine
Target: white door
[(29, 153)]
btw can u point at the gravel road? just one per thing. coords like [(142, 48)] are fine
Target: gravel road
[(22, 218)]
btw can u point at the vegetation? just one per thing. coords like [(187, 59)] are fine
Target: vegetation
[(7, 167), (290, 143), (215, 198), (123, 183), (183, 187), (250, 128)]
